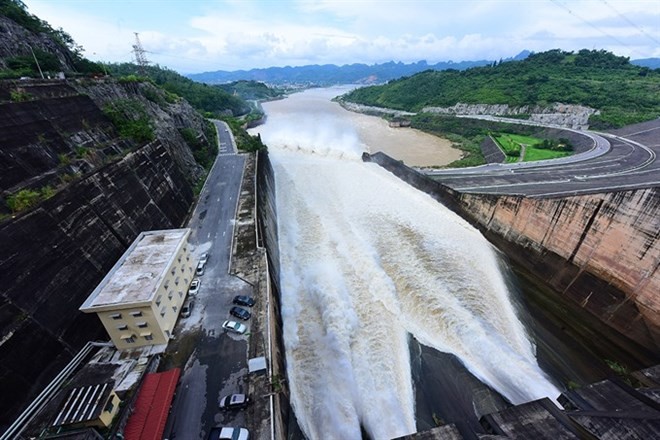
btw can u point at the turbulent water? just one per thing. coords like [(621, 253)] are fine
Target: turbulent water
[(366, 260)]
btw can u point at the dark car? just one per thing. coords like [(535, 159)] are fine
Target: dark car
[(243, 300), (240, 313), (234, 401)]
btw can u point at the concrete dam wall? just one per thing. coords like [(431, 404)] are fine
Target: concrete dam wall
[(599, 250)]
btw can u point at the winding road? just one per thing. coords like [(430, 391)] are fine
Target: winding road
[(622, 160)]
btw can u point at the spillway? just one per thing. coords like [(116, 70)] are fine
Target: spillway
[(366, 261)]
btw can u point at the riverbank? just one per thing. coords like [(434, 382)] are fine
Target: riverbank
[(413, 147)]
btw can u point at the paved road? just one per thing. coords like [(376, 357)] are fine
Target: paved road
[(218, 365), (617, 161)]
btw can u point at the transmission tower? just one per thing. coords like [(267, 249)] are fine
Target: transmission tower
[(140, 57)]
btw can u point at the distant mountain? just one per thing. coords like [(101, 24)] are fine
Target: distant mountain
[(651, 63), (330, 74)]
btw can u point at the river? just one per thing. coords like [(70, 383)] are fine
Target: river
[(395, 311)]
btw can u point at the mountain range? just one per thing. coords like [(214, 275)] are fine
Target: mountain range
[(331, 74)]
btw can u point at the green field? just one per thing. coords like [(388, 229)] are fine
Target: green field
[(515, 145)]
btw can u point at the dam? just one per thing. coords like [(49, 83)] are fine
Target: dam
[(366, 263), (376, 277)]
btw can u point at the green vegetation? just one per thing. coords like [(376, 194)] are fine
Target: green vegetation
[(244, 140), (624, 93), (251, 90), (203, 151), (534, 148), (207, 99), (26, 198), (131, 120), (623, 372), (19, 96)]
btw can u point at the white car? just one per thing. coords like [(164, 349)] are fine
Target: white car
[(204, 258), (234, 327), (194, 287), (229, 433)]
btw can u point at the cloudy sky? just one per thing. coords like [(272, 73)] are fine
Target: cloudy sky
[(192, 36)]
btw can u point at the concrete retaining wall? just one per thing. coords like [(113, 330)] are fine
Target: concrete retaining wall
[(599, 250)]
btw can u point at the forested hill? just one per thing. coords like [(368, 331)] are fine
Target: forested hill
[(623, 93), (208, 99)]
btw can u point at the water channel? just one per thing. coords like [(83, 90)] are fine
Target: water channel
[(397, 314)]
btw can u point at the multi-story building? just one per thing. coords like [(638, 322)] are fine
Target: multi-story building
[(139, 300)]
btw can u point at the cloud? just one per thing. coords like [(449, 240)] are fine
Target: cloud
[(230, 35)]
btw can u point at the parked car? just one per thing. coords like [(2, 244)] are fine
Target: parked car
[(228, 433), (233, 401), (186, 309), (200, 268), (243, 300), (194, 287), (234, 327), (240, 313), (204, 258)]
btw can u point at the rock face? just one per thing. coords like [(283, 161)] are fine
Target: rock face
[(54, 254), (600, 250), (565, 115), (17, 40)]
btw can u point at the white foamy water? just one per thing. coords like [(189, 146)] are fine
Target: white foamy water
[(365, 260)]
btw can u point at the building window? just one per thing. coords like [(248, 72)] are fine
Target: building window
[(130, 340), (136, 314), (176, 281), (122, 327), (116, 316), (169, 296), (179, 259), (173, 270), (187, 257), (158, 299), (142, 325), (148, 337), (174, 308), (167, 284), (162, 311), (180, 294)]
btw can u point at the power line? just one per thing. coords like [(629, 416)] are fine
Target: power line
[(566, 8), (639, 28)]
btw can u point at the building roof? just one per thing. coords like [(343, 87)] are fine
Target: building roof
[(138, 273), (152, 406), (83, 404)]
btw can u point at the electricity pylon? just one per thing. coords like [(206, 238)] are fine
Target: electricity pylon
[(140, 57)]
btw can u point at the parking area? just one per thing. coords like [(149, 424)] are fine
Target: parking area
[(211, 345)]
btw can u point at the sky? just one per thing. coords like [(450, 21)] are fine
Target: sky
[(192, 36)]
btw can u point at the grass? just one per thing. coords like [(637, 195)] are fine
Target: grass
[(512, 145)]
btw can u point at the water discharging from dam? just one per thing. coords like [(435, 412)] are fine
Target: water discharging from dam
[(367, 260)]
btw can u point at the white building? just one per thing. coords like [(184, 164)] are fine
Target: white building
[(139, 300)]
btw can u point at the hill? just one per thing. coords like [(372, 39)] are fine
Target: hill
[(25, 38), (622, 92), (209, 99)]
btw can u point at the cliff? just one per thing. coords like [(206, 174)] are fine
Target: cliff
[(565, 115), (115, 162), (600, 250)]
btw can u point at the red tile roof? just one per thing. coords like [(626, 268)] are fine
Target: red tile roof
[(152, 406)]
